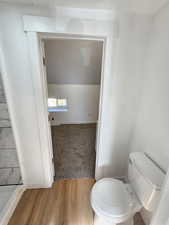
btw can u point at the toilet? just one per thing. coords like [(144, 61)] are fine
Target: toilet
[(116, 202)]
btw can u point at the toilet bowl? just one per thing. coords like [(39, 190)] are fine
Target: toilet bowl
[(115, 202)]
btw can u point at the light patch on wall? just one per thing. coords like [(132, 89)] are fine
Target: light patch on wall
[(51, 102), (57, 105)]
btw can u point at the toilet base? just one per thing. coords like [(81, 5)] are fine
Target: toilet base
[(98, 220)]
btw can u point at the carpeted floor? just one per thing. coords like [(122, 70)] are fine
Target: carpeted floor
[(74, 150)]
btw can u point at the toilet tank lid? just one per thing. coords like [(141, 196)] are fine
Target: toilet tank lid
[(148, 169)]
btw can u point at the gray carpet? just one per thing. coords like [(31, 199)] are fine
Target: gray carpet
[(74, 150)]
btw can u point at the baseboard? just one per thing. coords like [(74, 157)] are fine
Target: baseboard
[(79, 122), (36, 186), (11, 205)]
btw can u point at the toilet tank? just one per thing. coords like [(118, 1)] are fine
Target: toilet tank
[(146, 179)]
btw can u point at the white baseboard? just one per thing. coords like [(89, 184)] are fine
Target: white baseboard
[(11, 205), (79, 122), (36, 186)]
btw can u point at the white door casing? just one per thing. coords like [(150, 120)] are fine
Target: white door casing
[(38, 28), (44, 77)]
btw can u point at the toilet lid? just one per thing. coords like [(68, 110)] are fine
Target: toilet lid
[(110, 197)]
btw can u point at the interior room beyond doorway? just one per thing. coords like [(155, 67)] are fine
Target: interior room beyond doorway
[(73, 69)]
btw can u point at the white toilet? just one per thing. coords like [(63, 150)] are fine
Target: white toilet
[(114, 201)]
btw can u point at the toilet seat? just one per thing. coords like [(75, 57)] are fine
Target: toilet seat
[(111, 199)]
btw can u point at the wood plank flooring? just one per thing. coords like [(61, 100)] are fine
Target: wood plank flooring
[(66, 203)]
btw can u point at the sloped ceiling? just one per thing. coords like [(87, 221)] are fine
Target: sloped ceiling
[(73, 61), (138, 6)]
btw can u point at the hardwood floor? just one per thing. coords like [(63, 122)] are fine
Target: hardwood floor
[(66, 203)]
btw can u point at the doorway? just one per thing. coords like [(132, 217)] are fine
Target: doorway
[(73, 69)]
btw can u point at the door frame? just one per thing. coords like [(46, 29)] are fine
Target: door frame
[(40, 87), (44, 36), (97, 28)]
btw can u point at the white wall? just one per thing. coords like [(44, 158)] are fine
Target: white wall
[(151, 129), (83, 103), (16, 70), (126, 89), (14, 48), (121, 86), (152, 122)]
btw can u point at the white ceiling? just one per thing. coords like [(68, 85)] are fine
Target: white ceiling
[(73, 61), (139, 6)]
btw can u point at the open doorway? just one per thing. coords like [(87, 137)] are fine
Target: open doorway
[(73, 75)]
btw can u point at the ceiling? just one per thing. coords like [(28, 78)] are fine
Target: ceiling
[(138, 6), (73, 61)]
